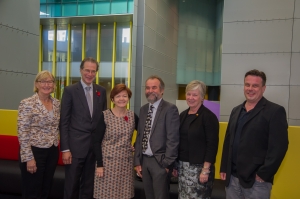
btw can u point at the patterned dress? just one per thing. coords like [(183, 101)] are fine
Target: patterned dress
[(118, 179), (189, 186)]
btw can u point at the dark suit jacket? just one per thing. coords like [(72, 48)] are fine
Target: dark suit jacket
[(263, 143), (203, 136), (76, 123), (164, 138)]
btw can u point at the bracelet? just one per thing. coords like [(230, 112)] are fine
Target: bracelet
[(205, 173), (205, 169)]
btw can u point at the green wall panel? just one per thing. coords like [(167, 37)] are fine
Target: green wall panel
[(101, 8), (119, 6), (130, 6), (85, 8), (54, 10), (69, 9)]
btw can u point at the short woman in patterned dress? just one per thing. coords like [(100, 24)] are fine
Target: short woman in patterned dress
[(38, 131), (199, 137), (114, 176)]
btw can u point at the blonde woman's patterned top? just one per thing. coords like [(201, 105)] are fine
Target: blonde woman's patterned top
[(36, 126)]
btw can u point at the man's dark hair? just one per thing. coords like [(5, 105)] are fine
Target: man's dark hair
[(89, 59), (161, 85), (257, 73)]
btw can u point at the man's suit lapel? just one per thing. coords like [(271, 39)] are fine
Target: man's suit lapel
[(234, 121), (95, 100), (81, 96), (259, 106)]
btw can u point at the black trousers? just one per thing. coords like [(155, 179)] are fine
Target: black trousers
[(79, 177), (38, 184)]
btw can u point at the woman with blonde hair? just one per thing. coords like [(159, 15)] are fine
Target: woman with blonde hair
[(38, 121), (199, 138)]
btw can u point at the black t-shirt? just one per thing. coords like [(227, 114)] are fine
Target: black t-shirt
[(241, 121)]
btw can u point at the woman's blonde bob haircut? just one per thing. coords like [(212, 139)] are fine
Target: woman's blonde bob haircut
[(43, 75), (196, 84)]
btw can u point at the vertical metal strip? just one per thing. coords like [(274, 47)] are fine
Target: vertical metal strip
[(41, 49), (129, 59), (113, 59), (54, 55), (98, 52), (54, 51), (129, 56), (68, 56), (83, 40)]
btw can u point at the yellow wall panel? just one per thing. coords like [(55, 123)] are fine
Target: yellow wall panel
[(287, 178), (223, 126), (8, 122)]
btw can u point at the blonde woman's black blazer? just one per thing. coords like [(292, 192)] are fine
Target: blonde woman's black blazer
[(203, 136)]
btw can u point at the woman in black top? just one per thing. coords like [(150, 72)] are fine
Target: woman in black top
[(199, 137)]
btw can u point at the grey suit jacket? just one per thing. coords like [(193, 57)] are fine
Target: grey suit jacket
[(76, 123), (164, 137)]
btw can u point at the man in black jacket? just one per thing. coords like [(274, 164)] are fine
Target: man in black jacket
[(255, 143)]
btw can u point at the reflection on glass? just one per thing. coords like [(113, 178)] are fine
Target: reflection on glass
[(61, 59), (105, 67), (122, 53), (91, 41), (76, 54), (47, 48), (106, 52)]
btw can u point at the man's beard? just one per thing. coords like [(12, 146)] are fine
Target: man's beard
[(152, 101)]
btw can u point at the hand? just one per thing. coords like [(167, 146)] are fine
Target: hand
[(132, 148), (67, 157), (31, 166), (203, 178), (223, 176), (100, 172), (139, 170), (167, 170), (175, 172), (257, 178)]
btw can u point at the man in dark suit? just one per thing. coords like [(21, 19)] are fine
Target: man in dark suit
[(81, 105), (255, 143), (157, 141)]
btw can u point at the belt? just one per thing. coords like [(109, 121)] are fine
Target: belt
[(148, 156)]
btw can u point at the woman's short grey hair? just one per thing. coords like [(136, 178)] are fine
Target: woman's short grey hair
[(196, 84)]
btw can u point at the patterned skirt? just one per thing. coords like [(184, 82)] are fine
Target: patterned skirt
[(189, 186)]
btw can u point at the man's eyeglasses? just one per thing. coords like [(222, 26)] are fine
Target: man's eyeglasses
[(46, 82), (90, 71)]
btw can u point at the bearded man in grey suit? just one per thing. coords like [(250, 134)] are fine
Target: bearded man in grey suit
[(157, 141), (81, 105)]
